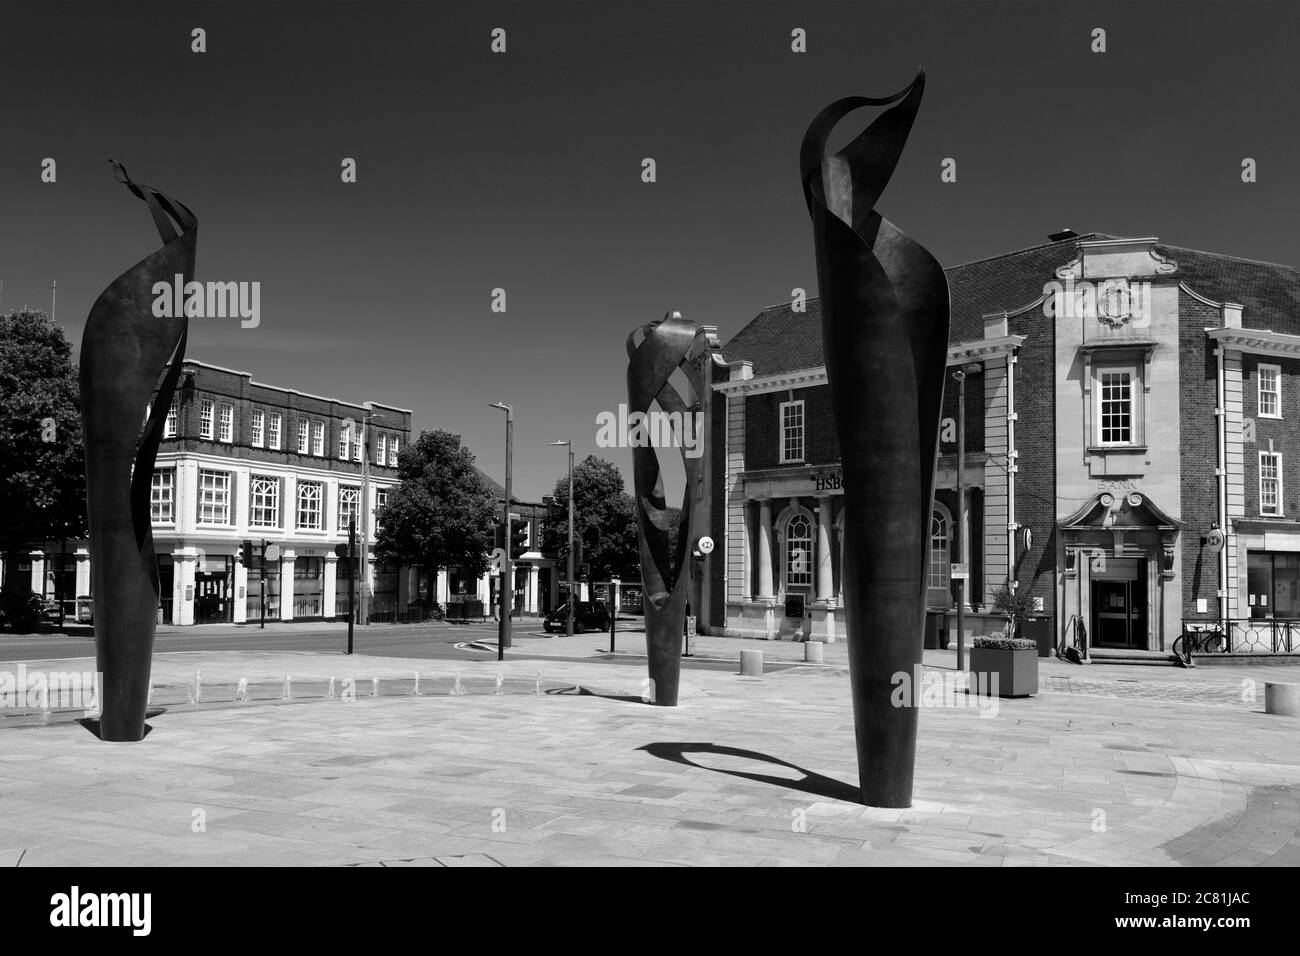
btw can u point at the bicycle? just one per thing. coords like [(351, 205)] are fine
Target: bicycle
[(1197, 641)]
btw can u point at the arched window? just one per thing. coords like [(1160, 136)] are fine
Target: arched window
[(798, 552), (940, 553)]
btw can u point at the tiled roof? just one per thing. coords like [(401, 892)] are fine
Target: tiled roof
[(781, 340)]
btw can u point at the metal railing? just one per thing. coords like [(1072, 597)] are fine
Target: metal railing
[(1254, 635)]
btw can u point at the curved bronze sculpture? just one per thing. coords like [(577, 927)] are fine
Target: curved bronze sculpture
[(126, 354), (670, 344), (884, 306)]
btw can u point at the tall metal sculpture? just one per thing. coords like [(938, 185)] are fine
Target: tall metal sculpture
[(127, 355), (884, 308), (670, 344)]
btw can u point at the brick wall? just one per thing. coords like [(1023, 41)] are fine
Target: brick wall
[(1035, 433), (1198, 387), (1285, 433), (762, 434)]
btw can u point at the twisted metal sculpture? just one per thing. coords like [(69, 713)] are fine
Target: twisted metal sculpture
[(884, 308), (126, 354), (670, 344)]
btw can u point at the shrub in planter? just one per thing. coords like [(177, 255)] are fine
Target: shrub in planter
[(1014, 661)]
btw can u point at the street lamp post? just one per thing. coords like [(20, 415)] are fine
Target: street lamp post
[(507, 576), (572, 590), (349, 428)]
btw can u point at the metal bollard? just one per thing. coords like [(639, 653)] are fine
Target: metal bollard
[(751, 663)]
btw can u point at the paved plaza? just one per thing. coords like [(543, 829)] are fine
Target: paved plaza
[(558, 761)]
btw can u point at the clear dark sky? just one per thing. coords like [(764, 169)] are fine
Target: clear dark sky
[(522, 170)]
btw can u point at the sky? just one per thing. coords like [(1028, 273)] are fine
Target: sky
[(523, 170)]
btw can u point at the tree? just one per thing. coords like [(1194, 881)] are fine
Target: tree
[(604, 521), (441, 513), (42, 464)]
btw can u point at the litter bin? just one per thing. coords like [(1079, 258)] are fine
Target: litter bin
[(935, 630), (85, 610), (1039, 630)]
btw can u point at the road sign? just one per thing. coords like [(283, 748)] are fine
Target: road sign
[(498, 557), (273, 552), (960, 572), (706, 545), (341, 550)]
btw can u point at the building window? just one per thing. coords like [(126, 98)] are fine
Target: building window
[(205, 418), (226, 423), (343, 443), (349, 506), (214, 497), (798, 552), (393, 449), (309, 501), (162, 496), (1273, 584), (356, 444), (792, 431), (381, 450), (1270, 391), (1270, 483), (259, 428), (263, 501), (381, 500), (302, 436), (318, 439), (1115, 406), (273, 431), (172, 425), (940, 552)]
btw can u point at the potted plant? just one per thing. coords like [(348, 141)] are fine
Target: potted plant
[(1013, 659)]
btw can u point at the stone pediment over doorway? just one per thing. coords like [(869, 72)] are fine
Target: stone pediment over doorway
[(1125, 516), (1107, 510)]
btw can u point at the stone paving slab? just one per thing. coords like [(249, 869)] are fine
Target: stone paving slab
[(753, 772)]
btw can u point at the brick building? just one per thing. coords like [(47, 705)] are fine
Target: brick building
[(240, 461), (1126, 401)]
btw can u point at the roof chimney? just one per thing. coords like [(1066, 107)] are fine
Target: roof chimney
[(1063, 235)]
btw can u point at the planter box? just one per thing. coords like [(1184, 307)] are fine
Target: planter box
[(1017, 671)]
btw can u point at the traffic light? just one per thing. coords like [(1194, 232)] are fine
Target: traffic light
[(518, 538), (246, 555)]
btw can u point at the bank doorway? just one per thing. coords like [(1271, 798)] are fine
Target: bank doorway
[(1119, 605)]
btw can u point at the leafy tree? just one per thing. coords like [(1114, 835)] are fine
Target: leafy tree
[(604, 521), (42, 466), (441, 514)]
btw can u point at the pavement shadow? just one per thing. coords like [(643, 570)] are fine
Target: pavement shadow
[(92, 723), (812, 783), (579, 691)]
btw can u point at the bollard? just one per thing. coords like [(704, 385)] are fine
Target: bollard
[(812, 652), (416, 692), (241, 689), (751, 663), (1282, 698), (286, 688)]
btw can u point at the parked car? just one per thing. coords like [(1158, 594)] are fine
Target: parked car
[(588, 616)]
